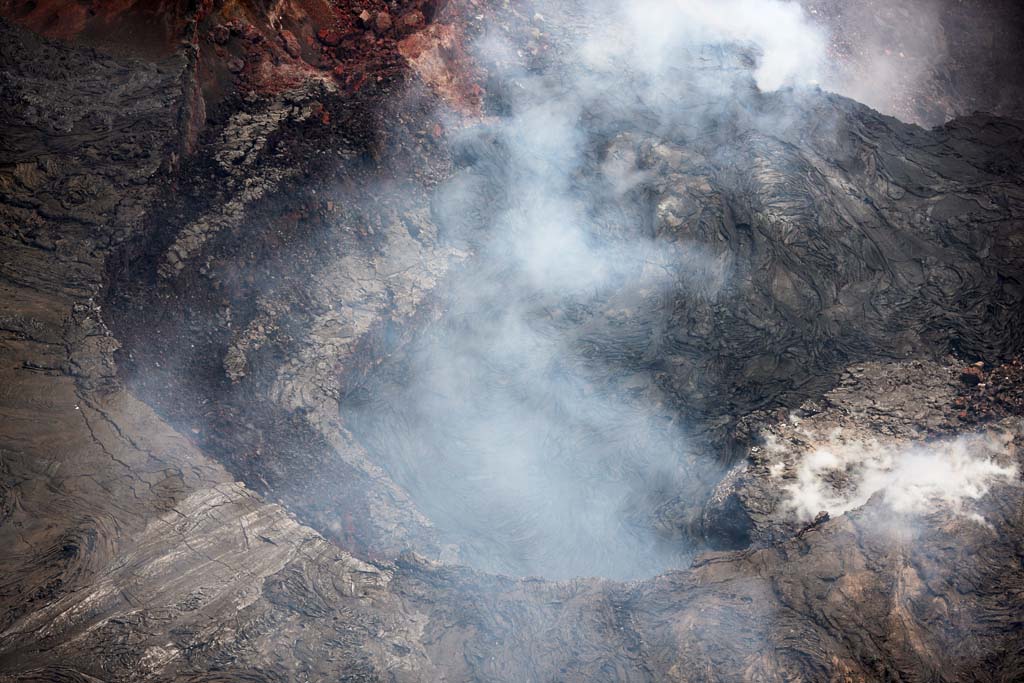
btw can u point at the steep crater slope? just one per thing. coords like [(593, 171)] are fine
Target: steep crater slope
[(600, 281)]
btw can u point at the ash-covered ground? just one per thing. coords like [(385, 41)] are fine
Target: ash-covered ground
[(422, 341)]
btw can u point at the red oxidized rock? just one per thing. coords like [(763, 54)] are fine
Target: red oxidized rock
[(436, 54), (251, 33), (290, 44), (383, 23), (326, 61), (329, 37), (413, 21)]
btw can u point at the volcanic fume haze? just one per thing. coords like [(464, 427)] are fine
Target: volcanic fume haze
[(668, 340)]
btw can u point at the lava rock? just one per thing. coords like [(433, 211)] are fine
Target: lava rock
[(382, 23), (413, 20), (329, 36), (972, 376), (220, 34), (290, 44)]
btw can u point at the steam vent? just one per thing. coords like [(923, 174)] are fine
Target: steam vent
[(527, 341)]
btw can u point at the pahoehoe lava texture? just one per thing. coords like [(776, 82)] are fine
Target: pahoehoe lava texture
[(235, 268)]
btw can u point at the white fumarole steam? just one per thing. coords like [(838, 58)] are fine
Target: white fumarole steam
[(912, 479), (514, 443)]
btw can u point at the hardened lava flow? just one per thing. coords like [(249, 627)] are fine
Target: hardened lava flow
[(511, 341)]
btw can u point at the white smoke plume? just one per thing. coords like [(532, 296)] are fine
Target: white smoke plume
[(882, 54), (792, 50), (839, 475), (529, 455)]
